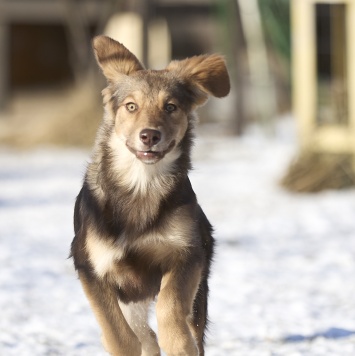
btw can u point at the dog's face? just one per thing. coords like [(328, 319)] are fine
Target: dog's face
[(152, 109), (151, 116)]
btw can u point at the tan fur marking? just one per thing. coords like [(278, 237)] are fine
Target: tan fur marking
[(111, 319), (174, 311), (178, 119), (102, 254), (170, 243)]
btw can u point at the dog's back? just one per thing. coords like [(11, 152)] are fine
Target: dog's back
[(139, 231)]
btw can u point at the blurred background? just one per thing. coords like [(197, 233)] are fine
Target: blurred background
[(46, 61), (49, 83), (274, 166)]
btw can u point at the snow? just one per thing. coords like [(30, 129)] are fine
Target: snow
[(283, 276)]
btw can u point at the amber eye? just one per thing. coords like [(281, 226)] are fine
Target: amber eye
[(131, 107), (170, 107)]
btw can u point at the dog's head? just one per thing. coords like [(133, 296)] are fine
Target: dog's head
[(152, 109)]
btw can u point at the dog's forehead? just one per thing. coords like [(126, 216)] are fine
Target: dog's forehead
[(154, 82), (155, 85)]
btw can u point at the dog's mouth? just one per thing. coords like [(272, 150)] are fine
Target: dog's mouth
[(151, 156)]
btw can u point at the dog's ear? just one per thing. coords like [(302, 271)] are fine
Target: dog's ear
[(207, 72), (114, 58)]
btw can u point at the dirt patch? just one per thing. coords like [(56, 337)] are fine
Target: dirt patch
[(65, 117)]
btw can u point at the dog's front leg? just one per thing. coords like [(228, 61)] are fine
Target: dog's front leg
[(174, 311), (118, 337)]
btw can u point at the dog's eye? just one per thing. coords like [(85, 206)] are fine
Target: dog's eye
[(131, 107), (170, 107)]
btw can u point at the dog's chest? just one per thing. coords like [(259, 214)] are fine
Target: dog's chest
[(134, 267)]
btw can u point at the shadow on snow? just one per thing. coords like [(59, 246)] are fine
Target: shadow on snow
[(331, 333)]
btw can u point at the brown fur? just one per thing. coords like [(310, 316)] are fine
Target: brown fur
[(139, 231)]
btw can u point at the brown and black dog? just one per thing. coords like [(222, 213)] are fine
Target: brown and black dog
[(139, 231)]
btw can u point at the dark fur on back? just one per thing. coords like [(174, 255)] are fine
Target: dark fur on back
[(139, 231)]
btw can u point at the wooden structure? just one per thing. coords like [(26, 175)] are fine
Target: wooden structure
[(79, 17), (324, 75), (74, 15)]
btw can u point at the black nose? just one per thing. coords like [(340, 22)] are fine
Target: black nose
[(150, 137)]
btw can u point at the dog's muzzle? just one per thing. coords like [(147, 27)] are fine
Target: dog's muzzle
[(152, 154)]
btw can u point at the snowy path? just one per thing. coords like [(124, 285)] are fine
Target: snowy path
[(283, 280)]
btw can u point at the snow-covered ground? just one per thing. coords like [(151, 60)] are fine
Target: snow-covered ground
[(283, 279)]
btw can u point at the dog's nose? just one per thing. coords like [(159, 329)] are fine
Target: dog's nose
[(150, 137)]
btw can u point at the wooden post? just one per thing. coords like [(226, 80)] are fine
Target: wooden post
[(339, 136), (260, 76), (4, 58), (240, 70), (304, 69), (350, 20), (145, 12), (78, 38)]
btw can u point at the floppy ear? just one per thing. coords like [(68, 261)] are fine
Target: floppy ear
[(114, 58), (207, 72)]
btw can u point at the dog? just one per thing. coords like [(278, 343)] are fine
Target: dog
[(140, 235)]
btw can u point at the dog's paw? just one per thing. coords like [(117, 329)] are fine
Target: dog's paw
[(151, 349), (145, 353), (179, 346), (104, 344), (134, 349)]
